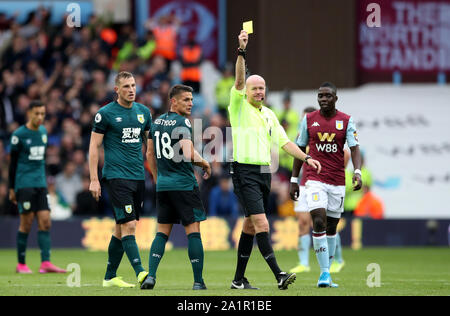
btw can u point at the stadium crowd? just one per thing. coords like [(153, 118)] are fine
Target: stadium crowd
[(72, 71)]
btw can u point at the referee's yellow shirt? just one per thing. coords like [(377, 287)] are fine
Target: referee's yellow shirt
[(254, 130)]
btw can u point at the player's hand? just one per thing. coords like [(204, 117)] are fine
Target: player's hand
[(95, 189), (12, 196), (315, 164), (294, 191), (207, 169), (357, 182), (243, 39)]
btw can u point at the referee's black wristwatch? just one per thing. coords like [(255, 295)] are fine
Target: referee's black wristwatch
[(241, 52), (306, 158)]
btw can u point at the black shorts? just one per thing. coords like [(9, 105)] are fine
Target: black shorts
[(127, 198), (176, 206), (252, 187), (32, 200)]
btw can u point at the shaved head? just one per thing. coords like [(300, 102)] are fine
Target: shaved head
[(255, 79), (255, 90)]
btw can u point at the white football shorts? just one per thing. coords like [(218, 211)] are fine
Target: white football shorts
[(327, 196), (301, 205)]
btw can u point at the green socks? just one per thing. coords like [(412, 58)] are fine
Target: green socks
[(44, 244), (196, 255), (21, 246), (115, 254), (195, 252), (156, 253), (131, 249)]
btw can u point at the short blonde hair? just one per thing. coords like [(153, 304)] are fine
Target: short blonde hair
[(122, 75)]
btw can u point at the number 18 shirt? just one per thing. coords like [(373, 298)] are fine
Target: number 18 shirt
[(326, 138), (175, 173)]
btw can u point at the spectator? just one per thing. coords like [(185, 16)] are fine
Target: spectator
[(289, 115), (68, 183), (60, 209), (191, 58), (351, 203), (145, 52), (70, 70), (3, 197), (165, 31), (85, 204), (223, 88), (290, 120), (208, 184), (222, 200)]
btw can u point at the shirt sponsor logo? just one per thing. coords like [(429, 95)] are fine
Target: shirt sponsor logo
[(131, 135), (339, 125), (329, 148), (37, 153), (140, 118), (325, 136)]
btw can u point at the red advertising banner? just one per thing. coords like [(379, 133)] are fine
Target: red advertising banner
[(412, 37), (199, 19)]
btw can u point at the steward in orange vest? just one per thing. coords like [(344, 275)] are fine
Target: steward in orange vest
[(166, 41), (191, 58)]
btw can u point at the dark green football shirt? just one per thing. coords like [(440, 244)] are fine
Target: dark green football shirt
[(123, 131), (174, 172), (31, 146)]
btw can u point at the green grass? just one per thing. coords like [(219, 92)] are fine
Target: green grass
[(404, 271)]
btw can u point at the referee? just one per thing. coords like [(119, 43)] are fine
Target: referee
[(255, 130)]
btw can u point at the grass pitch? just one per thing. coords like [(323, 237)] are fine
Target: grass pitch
[(402, 271)]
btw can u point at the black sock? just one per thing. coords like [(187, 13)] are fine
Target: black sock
[(243, 255), (267, 251)]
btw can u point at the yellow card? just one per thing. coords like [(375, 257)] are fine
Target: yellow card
[(248, 27)]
